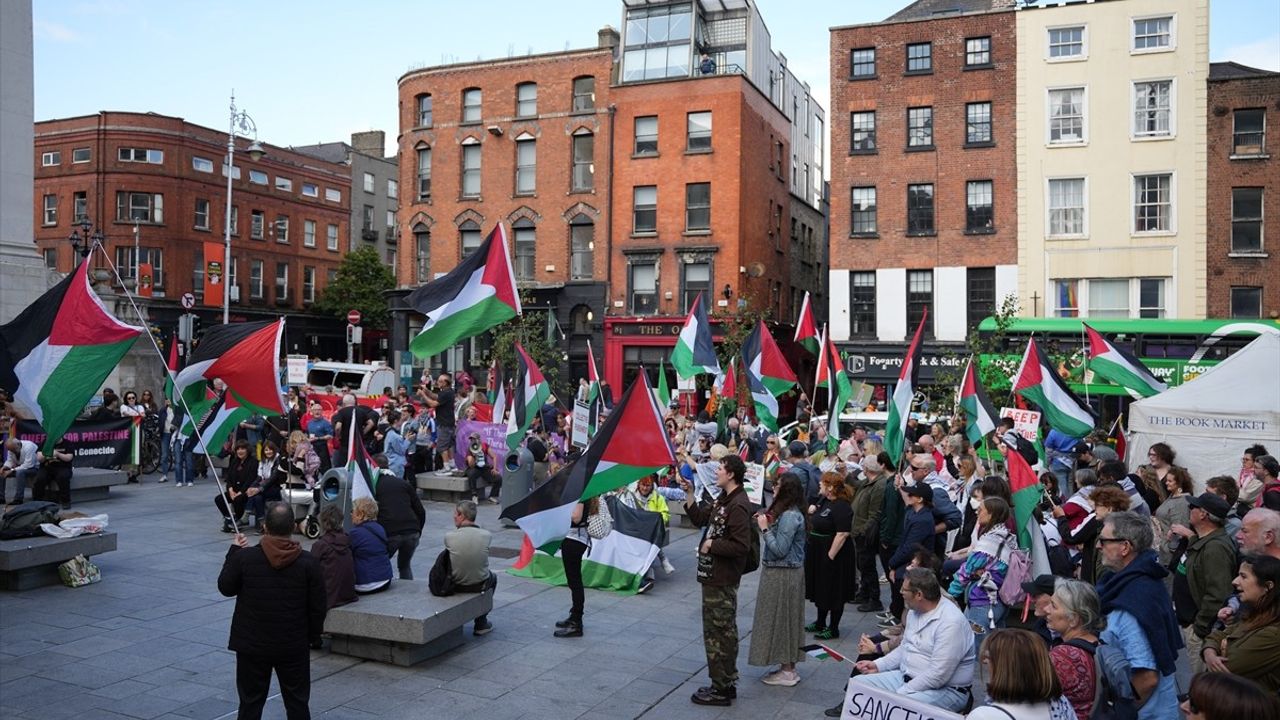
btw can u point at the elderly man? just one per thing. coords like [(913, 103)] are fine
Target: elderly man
[(1139, 613), (350, 415), (22, 463), (1260, 533), (946, 515), (468, 546), (868, 503), (935, 662), (1202, 580)]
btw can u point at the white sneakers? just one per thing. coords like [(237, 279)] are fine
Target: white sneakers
[(667, 567), (783, 678)]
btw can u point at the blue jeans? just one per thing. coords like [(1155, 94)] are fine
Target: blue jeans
[(183, 466), (980, 619), (946, 698), (166, 453), (21, 479)]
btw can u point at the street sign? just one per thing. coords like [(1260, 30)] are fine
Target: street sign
[(353, 317), (188, 300)]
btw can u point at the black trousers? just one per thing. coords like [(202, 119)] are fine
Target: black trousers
[(238, 505), (571, 552), (401, 547), (59, 477), (895, 587), (253, 682), (868, 579)]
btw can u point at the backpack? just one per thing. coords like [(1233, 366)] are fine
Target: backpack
[(25, 520), (1011, 592), (440, 580), (753, 554), (1113, 696)]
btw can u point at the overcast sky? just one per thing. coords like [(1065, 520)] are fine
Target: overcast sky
[(317, 70)]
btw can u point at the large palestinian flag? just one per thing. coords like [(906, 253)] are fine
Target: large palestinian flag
[(768, 374), (694, 352), (807, 329), (58, 351), (1111, 362), (361, 478), (895, 432), (530, 393), (1038, 382), (475, 296), (979, 414), (1027, 493), (217, 418), (246, 357)]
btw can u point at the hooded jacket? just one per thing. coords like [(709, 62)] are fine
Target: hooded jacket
[(280, 598), (338, 566)]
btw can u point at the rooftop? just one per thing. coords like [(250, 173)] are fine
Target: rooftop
[(1236, 71), (926, 9)]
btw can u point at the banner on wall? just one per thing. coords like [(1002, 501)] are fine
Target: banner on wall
[(96, 443)]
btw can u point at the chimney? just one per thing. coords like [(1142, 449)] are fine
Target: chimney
[(372, 143), (607, 37)]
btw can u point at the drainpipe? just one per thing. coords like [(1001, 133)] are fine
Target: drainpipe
[(608, 236)]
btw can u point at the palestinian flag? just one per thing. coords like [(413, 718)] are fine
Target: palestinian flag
[(1038, 381), (823, 373), (528, 397), (664, 392), (594, 400), (979, 414), (618, 561), (768, 375), (895, 432), (807, 329), (498, 393), (245, 357), (171, 368), (694, 352), (218, 418), (361, 477), (1117, 438), (1027, 493), (841, 393), (727, 382), (630, 444), (478, 294), (58, 351), (1111, 362), (822, 652)]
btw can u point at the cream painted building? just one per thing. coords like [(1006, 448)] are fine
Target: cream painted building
[(1111, 158)]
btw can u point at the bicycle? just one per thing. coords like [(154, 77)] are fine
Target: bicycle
[(149, 446)]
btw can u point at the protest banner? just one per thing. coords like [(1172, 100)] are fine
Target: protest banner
[(1025, 422), (491, 434), (95, 443), (863, 701), (296, 370), (581, 424)]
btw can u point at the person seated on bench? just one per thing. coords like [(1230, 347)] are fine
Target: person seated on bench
[(369, 546), (21, 463), (333, 550), (239, 476), (55, 469), (272, 473), (468, 546)]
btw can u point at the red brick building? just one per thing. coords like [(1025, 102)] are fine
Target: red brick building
[(923, 178), (1243, 191), (161, 177)]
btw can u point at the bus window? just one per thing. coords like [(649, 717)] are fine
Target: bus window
[(318, 378), (1169, 346)]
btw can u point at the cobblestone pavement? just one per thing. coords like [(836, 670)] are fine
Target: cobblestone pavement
[(149, 641)]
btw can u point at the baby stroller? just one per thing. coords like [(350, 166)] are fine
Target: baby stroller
[(304, 499)]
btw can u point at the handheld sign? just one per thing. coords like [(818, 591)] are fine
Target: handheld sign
[(863, 701)]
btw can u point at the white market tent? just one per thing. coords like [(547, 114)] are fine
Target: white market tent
[(1212, 419)]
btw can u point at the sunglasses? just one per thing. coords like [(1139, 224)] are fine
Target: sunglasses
[(1104, 541)]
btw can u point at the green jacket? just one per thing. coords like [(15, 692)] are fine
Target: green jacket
[(1211, 565), (1250, 653), (868, 503), (892, 512)]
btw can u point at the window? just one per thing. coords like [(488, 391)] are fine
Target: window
[(1109, 298), (698, 127), (697, 279), (202, 214), (51, 258), (50, 209), (471, 170), (309, 233), (920, 58), (142, 155), (526, 166), (1153, 34), (424, 110), (284, 184), (469, 235), (424, 172), (977, 52), (235, 220), (282, 229), (582, 246), (920, 209), (862, 62), (919, 299), (333, 195), (862, 132), (645, 209), (255, 279), (257, 224), (366, 219), (526, 100), (1249, 132), (862, 304), (393, 188), (1066, 42), (1151, 104), (863, 202), (125, 262), (1246, 302), (391, 225), (697, 207), (282, 282), (331, 237), (525, 250), (977, 123), (79, 207), (369, 182), (82, 155), (139, 207), (920, 127), (656, 42), (1066, 116), (979, 217), (257, 177), (471, 105), (422, 246), (1246, 220), (584, 167), (1150, 298), (647, 135), (1066, 298), (50, 158), (1152, 203), (331, 275), (154, 255), (643, 287), (980, 294), (584, 94), (310, 190), (308, 284), (199, 164), (1066, 207)]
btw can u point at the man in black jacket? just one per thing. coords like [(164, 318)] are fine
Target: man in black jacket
[(280, 608), (400, 513)]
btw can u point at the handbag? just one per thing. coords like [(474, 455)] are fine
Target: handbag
[(600, 524), (78, 572)]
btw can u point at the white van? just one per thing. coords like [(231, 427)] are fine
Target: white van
[(362, 378)]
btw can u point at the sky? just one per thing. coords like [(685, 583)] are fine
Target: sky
[(317, 70)]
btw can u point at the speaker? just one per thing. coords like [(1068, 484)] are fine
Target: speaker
[(336, 490), (517, 479)]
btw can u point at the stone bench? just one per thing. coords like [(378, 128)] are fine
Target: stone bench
[(33, 562), (404, 624), (443, 488), (90, 484), (679, 518)]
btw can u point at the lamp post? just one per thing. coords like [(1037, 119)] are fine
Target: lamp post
[(241, 121), (82, 241)]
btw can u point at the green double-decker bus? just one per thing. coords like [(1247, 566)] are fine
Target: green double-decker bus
[(1177, 351)]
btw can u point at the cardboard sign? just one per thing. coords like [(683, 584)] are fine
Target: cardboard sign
[(1025, 422), (754, 483), (865, 702), (296, 369), (581, 424)]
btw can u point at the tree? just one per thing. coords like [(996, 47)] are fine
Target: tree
[(360, 285), (530, 330)]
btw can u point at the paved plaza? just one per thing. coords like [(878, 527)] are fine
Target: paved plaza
[(149, 641)]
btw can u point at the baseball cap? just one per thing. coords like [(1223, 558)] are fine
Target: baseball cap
[(918, 490), (1212, 504), (1041, 585), (797, 449)]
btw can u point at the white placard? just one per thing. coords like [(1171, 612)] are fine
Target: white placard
[(296, 369), (581, 423), (1025, 422), (865, 702), (754, 483)]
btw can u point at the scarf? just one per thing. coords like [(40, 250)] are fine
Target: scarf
[(1139, 590)]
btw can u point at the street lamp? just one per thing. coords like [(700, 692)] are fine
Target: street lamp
[(240, 121), (82, 241)]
